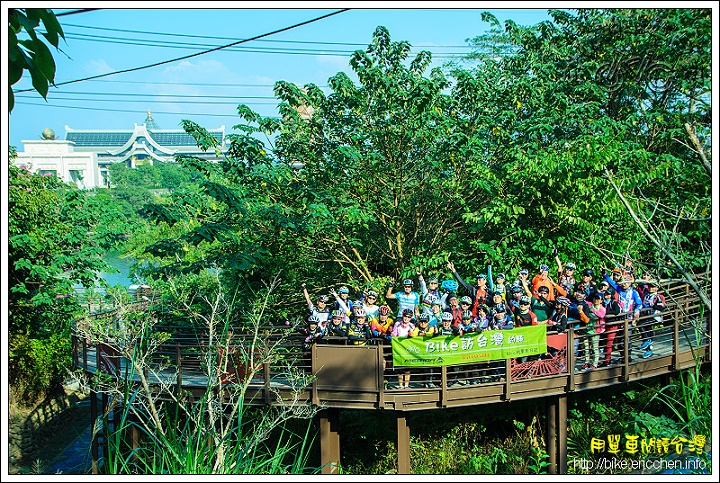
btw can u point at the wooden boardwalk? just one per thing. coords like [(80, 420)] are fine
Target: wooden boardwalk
[(362, 377)]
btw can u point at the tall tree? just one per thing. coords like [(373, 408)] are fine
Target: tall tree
[(356, 185), (51, 249), (503, 158), (559, 103)]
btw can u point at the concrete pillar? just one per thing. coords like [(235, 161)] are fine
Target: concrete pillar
[(329, 440)]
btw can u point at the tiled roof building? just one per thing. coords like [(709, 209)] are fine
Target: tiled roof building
[(85, 154)]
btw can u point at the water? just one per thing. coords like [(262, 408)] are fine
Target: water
[(124, 277)]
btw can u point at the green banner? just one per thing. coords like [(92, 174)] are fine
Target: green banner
[(469, 348)]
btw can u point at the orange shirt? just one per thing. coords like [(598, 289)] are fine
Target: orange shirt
[(541, 280)]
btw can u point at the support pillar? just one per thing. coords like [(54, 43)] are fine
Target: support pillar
[(329, 440), (403, 444), (551, 434), (562, 434)]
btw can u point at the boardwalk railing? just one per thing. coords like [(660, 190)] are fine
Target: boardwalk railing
[(363, 376)]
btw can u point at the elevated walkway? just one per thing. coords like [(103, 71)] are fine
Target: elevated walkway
[(363, 376)]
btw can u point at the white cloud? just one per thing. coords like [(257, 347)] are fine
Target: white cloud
[(96, 67)]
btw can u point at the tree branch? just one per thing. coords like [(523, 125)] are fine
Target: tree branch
[(698, 147), (701, 293)]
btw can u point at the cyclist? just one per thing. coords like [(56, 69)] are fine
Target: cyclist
[(358, 331), (322, 310), (407, 299)]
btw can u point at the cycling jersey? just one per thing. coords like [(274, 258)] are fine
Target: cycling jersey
[(407, 301)]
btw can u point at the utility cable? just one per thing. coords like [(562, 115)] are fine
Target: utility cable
[(134, 111), (209, 37), (198, 53), (82, 10)]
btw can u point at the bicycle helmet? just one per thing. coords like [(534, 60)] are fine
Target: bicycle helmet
[(338, 313), (446, 316), (524, 299), (424, 318), (598, 295), (360, 312), (544, 267), (384, 310), (517, 289), (343, 289), (466, 300), (449, 285), (323, 298), (570, 266), (372, 293), (407, 312), (432, 280), (484, 308), (467, 315), (407, 282), (588, 272), (313, 319), (437, 301), (564, 301), (480, 275), (500, 275), (497, 293)]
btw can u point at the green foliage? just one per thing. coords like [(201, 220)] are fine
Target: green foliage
[(42, 363), (54, 244), (568, 100), (32, 54), (504, 159), (213, 432), (686, 399)]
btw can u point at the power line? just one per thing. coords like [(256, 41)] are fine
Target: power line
[(82, 10), (181, 84), (136, 94), (209, 37), (230, 101), (186, 45), (199, 53), (135, 111), (103, 39)]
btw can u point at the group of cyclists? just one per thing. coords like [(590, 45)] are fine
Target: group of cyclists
[(595, 304)]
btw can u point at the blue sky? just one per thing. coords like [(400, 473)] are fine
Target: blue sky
[(213, 84)]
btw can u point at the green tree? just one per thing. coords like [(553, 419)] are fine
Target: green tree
[(51, 250), (363, 188), (32, 54), (504, 158), (561, 107)]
